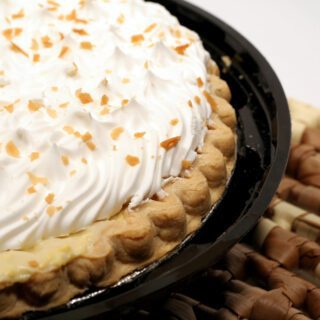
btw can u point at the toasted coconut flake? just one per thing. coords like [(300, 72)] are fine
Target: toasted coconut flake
[(210, 100), (84, 160), (64, 51), (132, 160), (139, 135), (174, 122), (46, 42), (137, 38), (86, 45), (17, 49), (12, 150), (65, 160), (73, 172), (181, 49), (190, 104), (200, 82), (186, 164), (73, 70), (116, 132), (150, 28), (80, 32), (35, 105), (49, 198), (34, 156), (170, 143), (37, 179)]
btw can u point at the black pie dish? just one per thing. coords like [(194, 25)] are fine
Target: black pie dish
[(263, 146)]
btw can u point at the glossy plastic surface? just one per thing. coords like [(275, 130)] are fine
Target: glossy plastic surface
[(263, 145)]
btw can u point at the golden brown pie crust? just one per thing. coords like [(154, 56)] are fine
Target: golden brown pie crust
[(58, 269)]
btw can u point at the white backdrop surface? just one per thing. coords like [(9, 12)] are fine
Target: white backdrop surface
[(287, 32)]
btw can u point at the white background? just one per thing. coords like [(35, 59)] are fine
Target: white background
[(287, 32)]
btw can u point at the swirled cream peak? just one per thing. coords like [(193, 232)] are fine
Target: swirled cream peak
[(100, 102)]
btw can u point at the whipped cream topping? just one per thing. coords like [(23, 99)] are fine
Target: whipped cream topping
[(101, 102)]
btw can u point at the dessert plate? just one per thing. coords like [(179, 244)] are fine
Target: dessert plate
[(263, 145)]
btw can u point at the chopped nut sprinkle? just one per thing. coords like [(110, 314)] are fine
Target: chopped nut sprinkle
[(64, 51), (86, 137), (83, 160), (104, 100), (49, 198), (80, 32), (86, 45), (9, 107), (52, 113), (210, 100), (18, 15), (174, 122), (36, 57), (51, 210), (91, 145), (63, 105), (33, 264), (170, 143), (104, 111), (12, 150), (9, 34), (34, 156), (84, 97), (181, 49), (121, 19), (150, 28), (37, 179), (46, 41), (186, 164), (124, 102), (137, 38), (197, 100), (200, 82), (190, 103), (125, 80), (116, 132), (17, 49), (139, 134), (65, 160), (132, 160), (34, 105), (68, 129), (32, 190)]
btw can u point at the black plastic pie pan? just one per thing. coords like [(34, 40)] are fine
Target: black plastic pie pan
[(263, 146)]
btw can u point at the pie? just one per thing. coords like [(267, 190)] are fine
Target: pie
[(116, 138)]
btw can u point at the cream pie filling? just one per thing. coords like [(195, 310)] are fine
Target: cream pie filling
[(100, 103)]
